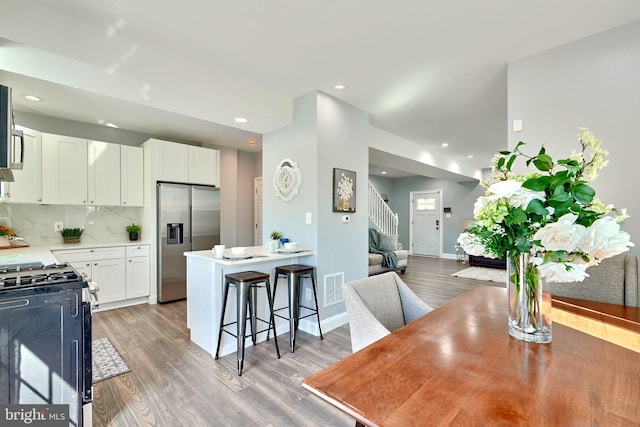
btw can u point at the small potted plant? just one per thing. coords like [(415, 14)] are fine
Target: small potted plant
[(134, 231), (275, 237), (71, 235)]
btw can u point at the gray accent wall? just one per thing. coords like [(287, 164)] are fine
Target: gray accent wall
[(460, 196), (325, 133), (591, 83)]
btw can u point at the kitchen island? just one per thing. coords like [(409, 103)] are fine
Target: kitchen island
[(205, 286)]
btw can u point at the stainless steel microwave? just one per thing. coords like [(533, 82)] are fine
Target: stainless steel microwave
[(11, 140)]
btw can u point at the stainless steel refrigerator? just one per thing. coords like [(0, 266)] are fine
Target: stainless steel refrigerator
[(188, 220)]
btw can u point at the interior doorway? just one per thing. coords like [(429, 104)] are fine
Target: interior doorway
[(426, 223), (257, 211)]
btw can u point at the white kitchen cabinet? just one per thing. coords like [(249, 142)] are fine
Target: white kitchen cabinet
[(64, 170), (110, 275), (174, 162), (181, 163), (105, 266), (131, 176), (103, 175), (204, 166), (27, 187), (137, 269)]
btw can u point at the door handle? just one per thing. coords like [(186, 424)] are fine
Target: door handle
[(437, 224)]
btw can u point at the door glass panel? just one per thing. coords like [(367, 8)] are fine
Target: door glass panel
[(426, 204)]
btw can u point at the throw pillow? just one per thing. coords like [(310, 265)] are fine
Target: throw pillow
[(388, 243)]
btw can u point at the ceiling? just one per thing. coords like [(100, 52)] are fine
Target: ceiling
[(427, 71)]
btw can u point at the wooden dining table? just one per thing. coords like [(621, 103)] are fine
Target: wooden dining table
[(458, 365)]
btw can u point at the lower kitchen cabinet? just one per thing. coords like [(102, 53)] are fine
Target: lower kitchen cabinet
[(120, 272), (137, 270)]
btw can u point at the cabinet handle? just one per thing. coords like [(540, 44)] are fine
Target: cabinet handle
[(84, 201), (88, 264), (124, 203), (129, 260), (95, 263)]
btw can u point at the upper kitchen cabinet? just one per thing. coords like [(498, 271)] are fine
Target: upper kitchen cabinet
[(103, 176), (131, 176), (203, 166), (173, 162), (64, 170), (76, 171), (27, 187)]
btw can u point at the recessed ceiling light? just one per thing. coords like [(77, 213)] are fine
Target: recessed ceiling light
[(240, 120), (251, 142), (106, 123), (470, 156), (444, 144), (33, 98), (383, 172), (340, 86)]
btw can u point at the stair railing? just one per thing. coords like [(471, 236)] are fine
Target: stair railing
[(381, 214)]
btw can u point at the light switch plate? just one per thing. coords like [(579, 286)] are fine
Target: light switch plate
[(308, 218), (517, 125)]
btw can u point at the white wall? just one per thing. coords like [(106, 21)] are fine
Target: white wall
[(326, 133), (590, 83)]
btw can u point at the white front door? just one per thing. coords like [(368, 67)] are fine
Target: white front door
[(426, 223), (257, 211)]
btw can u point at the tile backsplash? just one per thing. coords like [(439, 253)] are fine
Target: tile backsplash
[(102, 224)]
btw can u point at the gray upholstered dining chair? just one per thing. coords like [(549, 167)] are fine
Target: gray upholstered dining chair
[(377, 306)]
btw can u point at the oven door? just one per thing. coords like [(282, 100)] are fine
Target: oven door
[(87, 370)]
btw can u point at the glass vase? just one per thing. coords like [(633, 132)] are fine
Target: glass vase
[(529, 301)]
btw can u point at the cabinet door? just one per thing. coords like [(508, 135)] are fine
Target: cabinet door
[(27, 187), (204, 166), (131, 176), (103, 175), (175, 162), (109, 274), (64, 170), (137, 277)]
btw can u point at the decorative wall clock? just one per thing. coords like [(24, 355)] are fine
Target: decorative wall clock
[(287, 179)]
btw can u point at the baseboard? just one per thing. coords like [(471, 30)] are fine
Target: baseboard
[(310, 326), (448, 256)]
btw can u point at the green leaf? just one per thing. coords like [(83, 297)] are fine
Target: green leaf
[(537, 184), (543, 162), (583, 193), (500, 162), (536, 206), (510, 162)]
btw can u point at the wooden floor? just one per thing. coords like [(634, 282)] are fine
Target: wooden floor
[(175, 383)]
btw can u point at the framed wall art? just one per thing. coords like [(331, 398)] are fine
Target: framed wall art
[(344, 190)]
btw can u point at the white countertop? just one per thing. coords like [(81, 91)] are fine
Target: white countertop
[(257, 252), (31, 253), (64, 247), (44, 254)]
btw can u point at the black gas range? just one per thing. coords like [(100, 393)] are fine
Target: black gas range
[(45, 338)]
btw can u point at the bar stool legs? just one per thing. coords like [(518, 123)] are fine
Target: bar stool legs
[(295, 273), (247, 284)]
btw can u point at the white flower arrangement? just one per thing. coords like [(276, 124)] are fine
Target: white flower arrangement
[(550, 213)]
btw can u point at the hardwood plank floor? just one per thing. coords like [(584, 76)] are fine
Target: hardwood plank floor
[(175, 383)]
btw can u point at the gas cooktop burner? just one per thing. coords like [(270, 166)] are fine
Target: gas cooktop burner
[(27, 276)]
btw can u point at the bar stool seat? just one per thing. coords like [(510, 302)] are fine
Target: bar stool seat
[(247, 284), (295, 273)]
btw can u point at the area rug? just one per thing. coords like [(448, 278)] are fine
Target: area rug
[(483, 273), (107, 362)]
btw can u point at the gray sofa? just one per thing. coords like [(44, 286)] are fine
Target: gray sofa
[(375, 262), (614, 280)]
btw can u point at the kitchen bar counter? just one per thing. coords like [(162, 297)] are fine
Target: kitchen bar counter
[(205, 280)]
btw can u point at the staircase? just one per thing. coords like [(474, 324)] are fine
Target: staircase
[(385, 220)]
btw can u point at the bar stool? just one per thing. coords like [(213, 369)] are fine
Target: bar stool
[(247, 284), (295, 273)]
